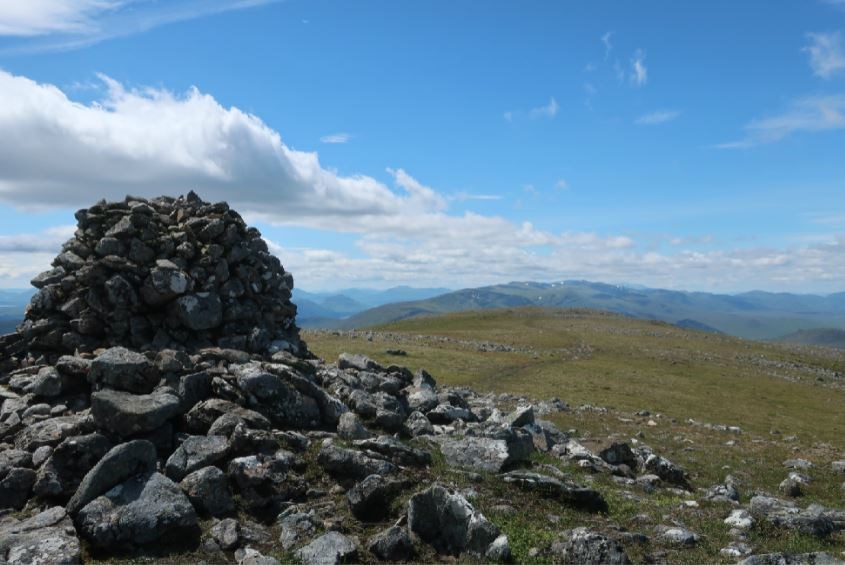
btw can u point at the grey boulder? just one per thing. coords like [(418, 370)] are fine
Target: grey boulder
[(351, 464), (120, 463), (449, 523), (195, 453), (127, 414), (567, 492), (392, 545), (200, 311), (208, 490), (591, 548), (122, 369), (370, 499), (138, 511), (67, 465), (329, 549), (47, 537)]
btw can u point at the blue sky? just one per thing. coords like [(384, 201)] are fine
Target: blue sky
[(673, 144)]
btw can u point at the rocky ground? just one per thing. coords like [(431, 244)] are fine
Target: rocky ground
[(226, 457), (146, 416)]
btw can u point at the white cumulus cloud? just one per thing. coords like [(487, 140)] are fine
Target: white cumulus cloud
[(148, 142)]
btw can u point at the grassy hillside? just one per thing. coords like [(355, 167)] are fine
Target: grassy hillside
[(786, 399), (755, 315), (585, 356), (823, 337)]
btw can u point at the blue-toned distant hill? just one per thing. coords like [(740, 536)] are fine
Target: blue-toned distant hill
[(822, 337), (12, 305), (321, 309), (754, 315)]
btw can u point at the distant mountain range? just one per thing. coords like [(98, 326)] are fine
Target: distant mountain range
[(320, 309), (795, 318), (753, 315)]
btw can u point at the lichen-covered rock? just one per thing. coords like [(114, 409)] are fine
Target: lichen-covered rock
[(68, 464), (122, 369), (127, 414), (329, 549), (449, 523), (194, 453), (47, 537), (208, 490), (351, 464), (138, 511), (814, 520), (226, 533), (137, 457), (814, 558), (483, 454), (588, 547), (52, 431)]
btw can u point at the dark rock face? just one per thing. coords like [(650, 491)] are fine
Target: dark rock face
[(351, 464), (122, 369), (161, 273), (392, 545), (127, 414), (370, 499), (565, 491), (120, 463), (208, 490), (138, 512), (195, 453), (68, 464)]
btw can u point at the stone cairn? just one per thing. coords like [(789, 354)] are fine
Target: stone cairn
[(157, 402), (162, 273)]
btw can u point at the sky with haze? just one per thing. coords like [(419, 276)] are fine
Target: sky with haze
[(685, 145)]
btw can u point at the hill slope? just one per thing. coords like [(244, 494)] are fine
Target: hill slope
[(824, 337), (756, 315), (595, 357), (713, 404)]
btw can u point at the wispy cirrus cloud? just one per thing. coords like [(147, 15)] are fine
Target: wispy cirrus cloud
[(639, 71), (55, 25), (336, 138), (657, 117), (827, 55), (548, 111), (808, 114), (608, 45)]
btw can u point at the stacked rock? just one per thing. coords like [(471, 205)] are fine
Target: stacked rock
[(162, 273)]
